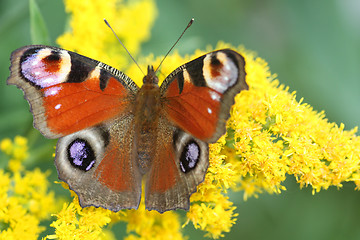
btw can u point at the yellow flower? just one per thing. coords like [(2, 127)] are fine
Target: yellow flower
[(25, 200), (131, 20), (73, 222), (275, 135), (143, 224), (18, 151)]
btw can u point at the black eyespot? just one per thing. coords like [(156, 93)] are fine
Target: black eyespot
[(81, 155), (189, 156), (53, 57), (215, 61)]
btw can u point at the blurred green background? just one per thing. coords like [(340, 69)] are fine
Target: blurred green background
[(313, 46)]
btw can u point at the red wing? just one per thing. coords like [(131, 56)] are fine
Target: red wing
[(118, 170), (198, 96), (193, 110), (68, 92), (99, 166), (77, 106), (178, 167)]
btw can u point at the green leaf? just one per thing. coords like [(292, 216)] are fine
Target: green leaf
[(38, 29)]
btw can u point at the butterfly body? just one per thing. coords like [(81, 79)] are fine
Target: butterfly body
[(147, 111), (114, 135)]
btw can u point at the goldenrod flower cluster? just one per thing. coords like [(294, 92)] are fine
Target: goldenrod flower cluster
[(25, 198)]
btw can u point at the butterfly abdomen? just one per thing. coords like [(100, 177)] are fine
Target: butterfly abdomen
[(147, 108)]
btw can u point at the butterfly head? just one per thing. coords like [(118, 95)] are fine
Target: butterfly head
[(151, 77)]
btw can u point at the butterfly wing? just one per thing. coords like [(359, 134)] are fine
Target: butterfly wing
[(87, 104), (99, 165), (68, 92), (198, 95), (180, 164), (196, 102)]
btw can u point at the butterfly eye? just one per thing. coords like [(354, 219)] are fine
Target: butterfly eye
[(80, 154), (190, 156)]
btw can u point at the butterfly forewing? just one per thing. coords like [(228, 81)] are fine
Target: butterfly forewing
[(68, 92), (198, 95)]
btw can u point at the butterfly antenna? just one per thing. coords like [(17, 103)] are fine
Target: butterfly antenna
[(107, 23), (189, 24)]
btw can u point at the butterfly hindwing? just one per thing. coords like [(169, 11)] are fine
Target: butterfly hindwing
[(100, 167), (68, 92), (180, 164), (198, 95)]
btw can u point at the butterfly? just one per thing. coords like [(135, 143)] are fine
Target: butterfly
[(114, 135)]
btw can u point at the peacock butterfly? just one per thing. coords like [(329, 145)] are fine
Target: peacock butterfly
[(114, 134)]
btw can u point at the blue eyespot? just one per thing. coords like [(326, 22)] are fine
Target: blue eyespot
[(81, 155), (190, 156)]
